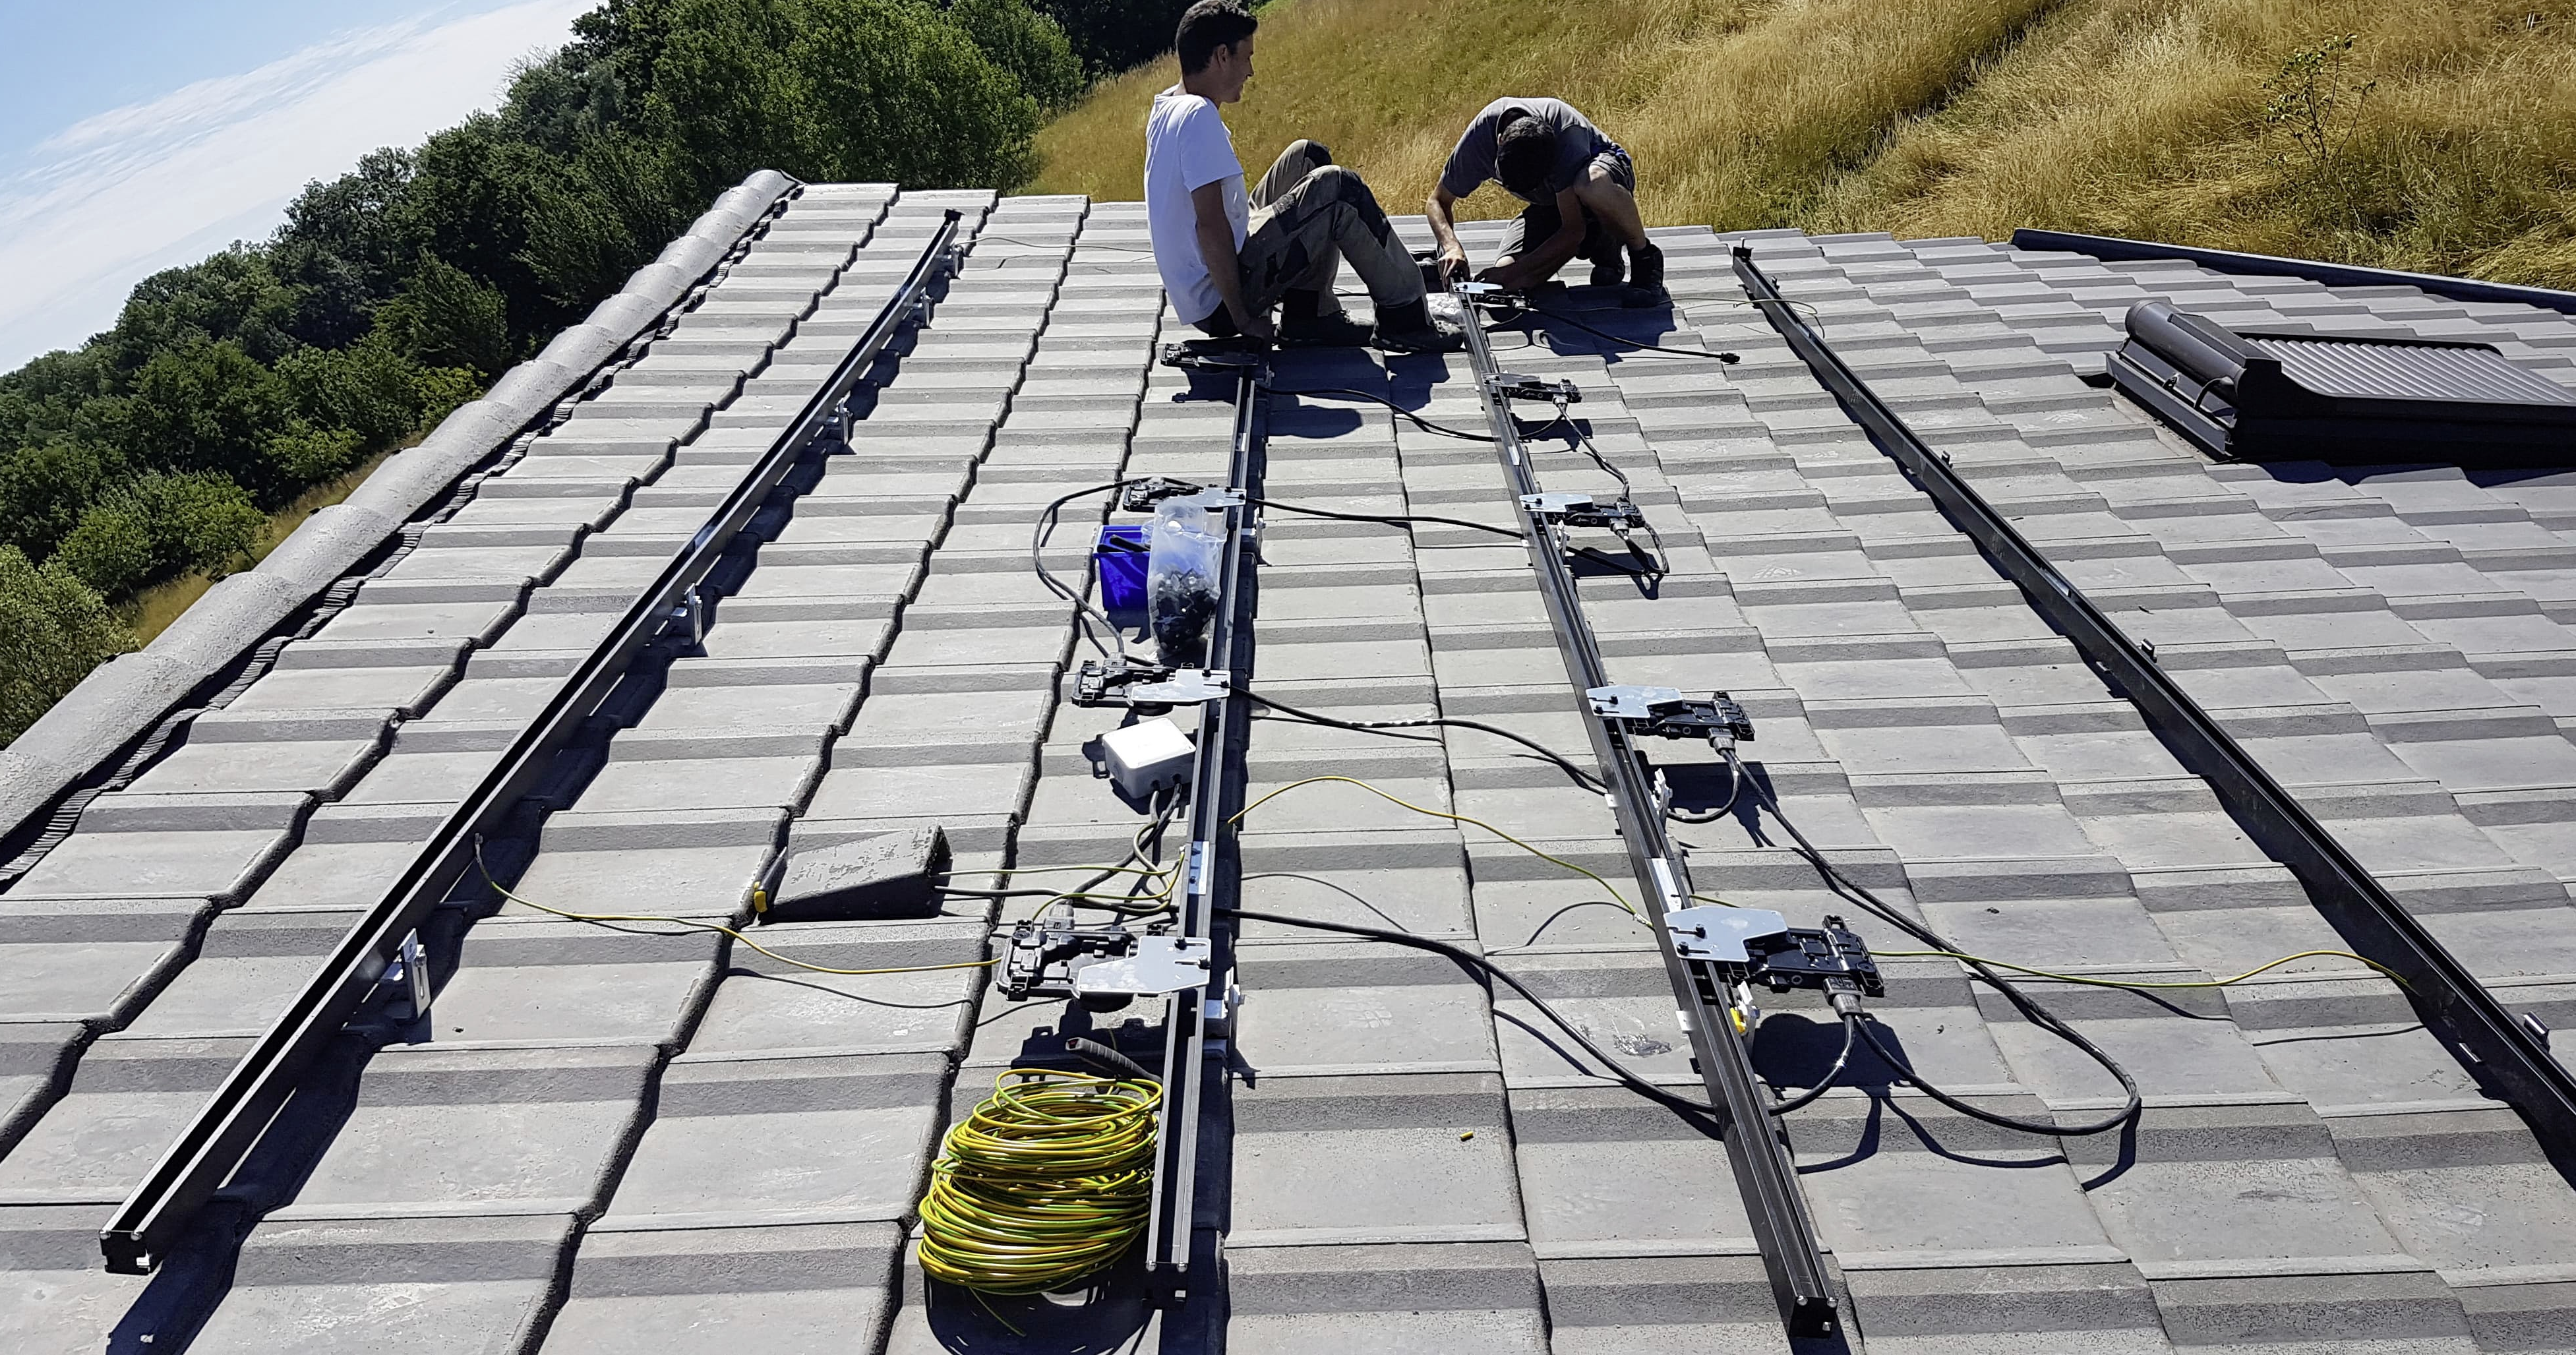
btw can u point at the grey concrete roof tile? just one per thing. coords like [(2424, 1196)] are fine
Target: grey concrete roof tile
[(793, 1289), (427, 1283)]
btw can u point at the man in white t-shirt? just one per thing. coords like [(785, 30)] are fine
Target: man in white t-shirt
[(1227, 257)]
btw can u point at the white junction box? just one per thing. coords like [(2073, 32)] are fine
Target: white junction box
[(1147, 756)]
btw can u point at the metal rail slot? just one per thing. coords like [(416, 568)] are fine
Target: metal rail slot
[(1181, 1236), (1756, 1146), (153, 1218), (2505, 1057)]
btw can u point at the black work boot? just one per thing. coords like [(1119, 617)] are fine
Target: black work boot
[(1304, 323), (1410, 328), (1609, 272), (1645, 277)]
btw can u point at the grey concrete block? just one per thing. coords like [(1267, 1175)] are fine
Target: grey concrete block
[(885, 875)]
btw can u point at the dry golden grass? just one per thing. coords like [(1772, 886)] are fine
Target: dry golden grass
[(1947, 117)]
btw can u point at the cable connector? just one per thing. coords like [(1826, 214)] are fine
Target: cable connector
[(1140, 496), (1216, 355), (1515, 386)]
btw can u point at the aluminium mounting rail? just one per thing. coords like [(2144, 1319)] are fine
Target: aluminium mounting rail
[(153, 1219), (1182, 1232), (1756, 1146), (2503, 1054)]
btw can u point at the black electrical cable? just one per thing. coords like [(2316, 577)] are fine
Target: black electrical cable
[(1037, 545), (1425, 424), (1851, 1033), (1734, 790), (2030, 1008), (1472, 960), (1393, 519), (1101, 1055), (1582, 778)]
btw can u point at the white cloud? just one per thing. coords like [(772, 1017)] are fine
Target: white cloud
[(123, 194)]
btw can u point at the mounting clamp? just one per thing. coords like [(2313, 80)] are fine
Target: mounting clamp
[(1557, 509), (1515, 386), (1756, 945), (1101, 967), (1667, 714), (1148, 687)]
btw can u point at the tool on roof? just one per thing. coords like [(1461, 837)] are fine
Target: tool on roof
[(1775, 1205), (152, 1219)]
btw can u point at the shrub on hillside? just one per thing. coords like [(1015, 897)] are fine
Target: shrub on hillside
[(157, 526), (53, 630), (369, 388)]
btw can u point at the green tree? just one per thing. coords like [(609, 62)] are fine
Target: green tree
[(206, 406), (889, 91), (370, 388), (1026, 43), (53, 631), (617, 201), (443, 318), (111, 549), (233, 296), (43, 490), (1112, 35)]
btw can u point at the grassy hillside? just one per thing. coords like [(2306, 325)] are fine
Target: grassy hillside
[(2443, 138)]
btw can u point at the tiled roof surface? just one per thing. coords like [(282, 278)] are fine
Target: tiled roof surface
[(611, 1141)]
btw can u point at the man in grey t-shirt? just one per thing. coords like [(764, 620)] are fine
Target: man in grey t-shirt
[(1582, 194)]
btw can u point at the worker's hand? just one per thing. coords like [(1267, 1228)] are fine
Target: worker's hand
[(1257, 325), (1453, 264)]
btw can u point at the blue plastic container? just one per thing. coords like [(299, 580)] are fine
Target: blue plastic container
[(1120, 561)]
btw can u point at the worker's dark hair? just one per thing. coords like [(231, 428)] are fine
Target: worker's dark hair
[(1525, 155), (1208, 25)]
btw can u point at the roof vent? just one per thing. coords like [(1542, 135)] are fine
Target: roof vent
[(2341, 397)]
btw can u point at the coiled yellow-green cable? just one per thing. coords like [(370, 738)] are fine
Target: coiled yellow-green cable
[(1047, 1181)]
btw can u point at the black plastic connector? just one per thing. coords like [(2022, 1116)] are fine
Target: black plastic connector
[(1140, 496), (1830, 958), (1515, 386)]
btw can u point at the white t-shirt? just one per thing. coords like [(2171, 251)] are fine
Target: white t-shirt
[(1186, 148)]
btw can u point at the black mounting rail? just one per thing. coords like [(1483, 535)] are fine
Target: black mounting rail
[(152, 1220), (1181, 1236), (2504, 1055), (1784, 1231)]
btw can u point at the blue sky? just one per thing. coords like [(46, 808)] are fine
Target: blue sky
[(139, 134)]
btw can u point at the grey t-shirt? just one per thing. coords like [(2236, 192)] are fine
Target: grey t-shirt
[(1471, 164)]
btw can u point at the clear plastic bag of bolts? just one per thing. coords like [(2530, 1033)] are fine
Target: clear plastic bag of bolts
[(1183, 560), (1445, 306)]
